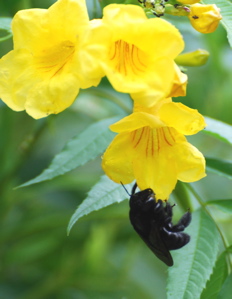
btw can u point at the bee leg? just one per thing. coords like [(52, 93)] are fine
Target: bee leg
[(168, 219), (174, 240), (161, 216), (182, 223)]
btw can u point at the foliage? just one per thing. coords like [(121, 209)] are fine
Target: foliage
[(48, 166)]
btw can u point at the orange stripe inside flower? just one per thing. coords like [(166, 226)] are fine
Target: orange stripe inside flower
[(151, 141), (53, 60), (127, 59)]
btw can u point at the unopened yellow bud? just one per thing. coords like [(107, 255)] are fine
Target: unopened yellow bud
[(189, 1), (204, 18), (195, 58)]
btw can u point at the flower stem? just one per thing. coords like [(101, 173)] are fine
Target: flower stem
[(26, 147)]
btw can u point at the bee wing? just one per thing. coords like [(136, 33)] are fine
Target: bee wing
[(158, 247), (154, 241)]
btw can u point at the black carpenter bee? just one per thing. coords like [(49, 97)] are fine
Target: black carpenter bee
[(152, 220)]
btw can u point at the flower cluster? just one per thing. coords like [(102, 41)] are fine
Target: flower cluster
[(203, 18), (59, 50)]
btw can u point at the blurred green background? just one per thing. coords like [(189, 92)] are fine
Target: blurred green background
[(102, 257)]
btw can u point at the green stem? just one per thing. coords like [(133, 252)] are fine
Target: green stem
[(25, 4), (27, 146), (180, 10), (201, 202), (182, 192)]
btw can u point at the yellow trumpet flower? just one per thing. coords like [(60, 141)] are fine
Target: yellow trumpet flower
[(136, 53), (44, 71), (151, 148)]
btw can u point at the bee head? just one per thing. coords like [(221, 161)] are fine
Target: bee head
[(143, 199)]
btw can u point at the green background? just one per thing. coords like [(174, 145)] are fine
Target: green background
[(102, 257)]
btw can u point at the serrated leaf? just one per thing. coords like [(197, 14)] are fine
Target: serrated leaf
[(218, 129), (217, 278), (194, 263), (226, 290), (81, 149), (220, 167), (226, 12), (223, 204), (103, 194), (5, 28)]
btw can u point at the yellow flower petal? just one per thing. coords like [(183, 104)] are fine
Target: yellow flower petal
[(160, 38), (190, 162), (92, 53), (161, 84), (184, 119), (13, 82), (51, 98), (179, 84), (120, 14), (135, 121), (156, 174), (119, 166), (154, 165), (163, 87)]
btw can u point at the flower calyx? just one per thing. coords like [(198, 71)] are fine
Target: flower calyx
[(155, 7)]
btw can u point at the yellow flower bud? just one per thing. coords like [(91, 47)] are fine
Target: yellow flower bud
[(204, 18), (189, 1), (195, 58)]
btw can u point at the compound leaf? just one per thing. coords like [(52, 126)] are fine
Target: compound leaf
[(78, 151)]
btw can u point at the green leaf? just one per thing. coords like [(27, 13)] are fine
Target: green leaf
[(226, 290), (79, 150), (5, 28), (183, 196), (218, 129), (103, 194), (194, 263), (223, 204), (217, 278), (220, 167), (226, 12), (229, 248)]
